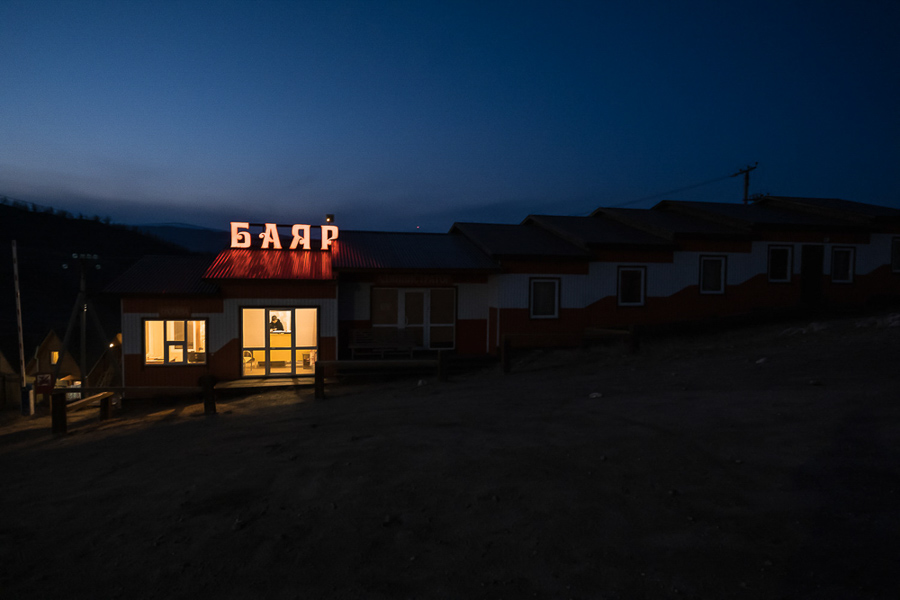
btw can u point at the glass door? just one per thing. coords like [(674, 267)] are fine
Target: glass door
[(278, 341), (280, 348)]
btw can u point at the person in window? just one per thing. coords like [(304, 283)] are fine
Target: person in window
[(276, 324)]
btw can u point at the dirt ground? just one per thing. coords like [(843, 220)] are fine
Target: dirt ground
[(754, 463)]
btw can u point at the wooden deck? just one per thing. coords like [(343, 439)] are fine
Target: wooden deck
[(265, 382)]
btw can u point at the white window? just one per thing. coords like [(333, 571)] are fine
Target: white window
[(780, 264), (712, 274), (842, 260), (631, 286), (174, 342), (543, 300)]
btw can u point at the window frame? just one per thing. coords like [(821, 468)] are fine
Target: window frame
[(851, 269), (643, 271), (428, 324), (557, 283), (790, 263), (723, 270), (168, 343)]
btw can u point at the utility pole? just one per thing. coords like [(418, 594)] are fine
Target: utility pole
[(82, 306), (27, 404), (746, 173)]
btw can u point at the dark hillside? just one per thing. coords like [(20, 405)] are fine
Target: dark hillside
[(191, 237), (48, 275)]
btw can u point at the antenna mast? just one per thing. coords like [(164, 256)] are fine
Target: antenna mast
[(746, 173)]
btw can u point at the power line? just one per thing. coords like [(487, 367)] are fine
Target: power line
[(746, 173), (675, 191)]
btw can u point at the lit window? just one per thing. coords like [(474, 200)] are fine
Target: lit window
[(544, 298), (712, 274), (779, 264), (842, 265), (174, 342), (54, 357), (631, 286)]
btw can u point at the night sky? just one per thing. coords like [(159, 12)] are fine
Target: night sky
[(394, 115)]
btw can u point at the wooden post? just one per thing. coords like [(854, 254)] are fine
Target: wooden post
[(635, 339), (106, 408), (208, 385), (58, 413), (442, 366), (505, 352), (320, 381)]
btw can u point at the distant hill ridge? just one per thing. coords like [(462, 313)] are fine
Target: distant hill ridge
[(46, 239), (191, 237)]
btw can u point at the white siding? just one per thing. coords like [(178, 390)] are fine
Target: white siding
[(512, 290), (472, 300), (874, 254)]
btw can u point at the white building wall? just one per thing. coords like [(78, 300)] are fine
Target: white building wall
[(512, 290), (663, 279), (472, 300), (874, 254), (131, 331)]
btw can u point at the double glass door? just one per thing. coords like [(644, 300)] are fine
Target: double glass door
[(279, 341)]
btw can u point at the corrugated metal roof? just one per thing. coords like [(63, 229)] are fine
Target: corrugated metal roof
[(670, 224), (834, 207), (754, 215), (517, 240), (155, 274), (364, 250), (255, 263), (592, 232)]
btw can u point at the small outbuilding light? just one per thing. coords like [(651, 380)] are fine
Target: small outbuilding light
[(329, 218)]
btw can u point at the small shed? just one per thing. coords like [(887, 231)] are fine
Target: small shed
[(46, 357), (10, 383)]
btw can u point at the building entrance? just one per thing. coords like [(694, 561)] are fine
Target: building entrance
[(279, 341)]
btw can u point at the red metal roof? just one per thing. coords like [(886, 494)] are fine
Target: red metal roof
[(241, 263)]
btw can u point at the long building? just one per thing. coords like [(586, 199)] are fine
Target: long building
[(272, 308)]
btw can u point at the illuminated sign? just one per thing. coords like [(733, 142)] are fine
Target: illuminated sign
[(300, 236)]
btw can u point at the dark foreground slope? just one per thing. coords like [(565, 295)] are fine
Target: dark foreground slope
[(756, 464)]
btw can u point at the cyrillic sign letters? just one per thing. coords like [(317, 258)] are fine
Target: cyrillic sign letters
[(300, 236)]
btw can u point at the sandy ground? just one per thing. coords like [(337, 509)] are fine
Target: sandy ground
[(757, 463)]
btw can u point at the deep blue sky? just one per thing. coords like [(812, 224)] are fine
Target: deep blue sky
[(398, 114)]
